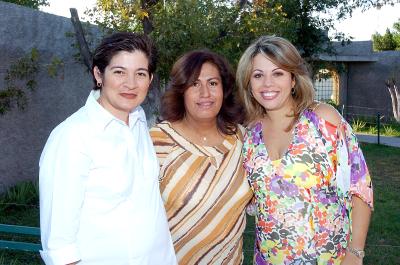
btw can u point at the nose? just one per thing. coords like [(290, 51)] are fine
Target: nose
[(204, 91), (267, 81), (131, 81)]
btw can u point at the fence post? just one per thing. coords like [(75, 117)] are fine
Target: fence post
[(378, 122)]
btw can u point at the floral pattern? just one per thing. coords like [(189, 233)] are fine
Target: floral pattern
[(304, 198)]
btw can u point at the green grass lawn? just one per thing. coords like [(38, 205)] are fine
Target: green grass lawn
[(383, 243)]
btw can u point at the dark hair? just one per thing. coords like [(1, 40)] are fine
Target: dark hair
[(123, 41), (184, 73)]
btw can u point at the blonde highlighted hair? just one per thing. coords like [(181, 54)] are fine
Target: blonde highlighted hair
[(284, 55)]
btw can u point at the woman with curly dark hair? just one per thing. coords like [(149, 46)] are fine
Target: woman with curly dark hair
[(198, 144)]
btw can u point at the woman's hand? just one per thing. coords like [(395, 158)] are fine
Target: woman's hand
[(351, 259)]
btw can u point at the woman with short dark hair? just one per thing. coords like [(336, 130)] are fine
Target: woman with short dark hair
[(198, 145), (99, 194)]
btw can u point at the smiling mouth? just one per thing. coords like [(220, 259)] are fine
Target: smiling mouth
[(128, 95), (205, 104), (269, 95)]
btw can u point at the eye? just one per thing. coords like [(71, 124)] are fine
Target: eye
[(278, 73), (196, 83), (119, 72), (213, 83), (257, 75), (142, 74)]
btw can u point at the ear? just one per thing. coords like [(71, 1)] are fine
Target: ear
[(293, 81), (97, 75), (151, 77)]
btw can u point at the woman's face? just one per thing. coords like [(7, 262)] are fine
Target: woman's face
[(271, 86), (125, 83), (203, 99)]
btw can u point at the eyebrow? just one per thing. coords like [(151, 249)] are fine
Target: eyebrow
[(122, 67), (212, 78), (278, 68)]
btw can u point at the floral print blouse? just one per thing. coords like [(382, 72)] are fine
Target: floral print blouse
[(304, 199)]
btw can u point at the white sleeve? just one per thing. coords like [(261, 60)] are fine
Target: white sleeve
[(64, 168)]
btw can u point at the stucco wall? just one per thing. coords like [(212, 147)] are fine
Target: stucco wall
[(367, 93), (24, 133)]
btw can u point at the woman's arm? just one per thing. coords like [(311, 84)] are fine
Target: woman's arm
[(360, 187), (361, 215), (62, 178)]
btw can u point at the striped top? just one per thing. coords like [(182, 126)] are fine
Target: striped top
[(205, 192)]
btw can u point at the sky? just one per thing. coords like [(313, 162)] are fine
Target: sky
[(361, 25)]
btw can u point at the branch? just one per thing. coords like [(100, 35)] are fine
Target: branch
[(80, 37), (147, 21), (395, 100)]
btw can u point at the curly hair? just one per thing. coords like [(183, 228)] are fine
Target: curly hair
[(184, 73)]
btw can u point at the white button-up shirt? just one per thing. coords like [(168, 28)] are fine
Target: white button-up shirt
[(99, 195)]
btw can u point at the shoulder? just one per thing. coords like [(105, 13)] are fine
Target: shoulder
[(254, 127), (241, 129), (68, 137), (328, 113), (73, 127), (159, 128), (160, 133)]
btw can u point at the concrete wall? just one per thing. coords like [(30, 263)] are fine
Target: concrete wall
[(367, 93), (24, 133), (362, 89)]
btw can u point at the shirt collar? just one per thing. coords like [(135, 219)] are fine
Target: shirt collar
[(103, 118)]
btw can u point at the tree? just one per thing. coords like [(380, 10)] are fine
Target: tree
[(389, 41), (182, 25), (35, 4), (227, 26), (395, 97)]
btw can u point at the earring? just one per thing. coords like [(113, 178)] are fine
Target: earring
[(293, 91), (99, 84)]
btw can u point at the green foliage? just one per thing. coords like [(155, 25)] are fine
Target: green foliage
[(19, 78), (183, 25), (389, 41), (19, 205), (390, 131), (373, 130), (368, 125), (226, 27), (188, 25), (24, 193), (358, 125), (54, 66), (35, 4)]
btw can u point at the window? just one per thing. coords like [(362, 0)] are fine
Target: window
[(327, 86)]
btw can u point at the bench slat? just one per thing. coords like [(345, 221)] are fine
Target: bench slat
[(5, 244), (25, 230)]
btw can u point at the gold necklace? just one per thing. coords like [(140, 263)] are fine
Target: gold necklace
[(198, 137)]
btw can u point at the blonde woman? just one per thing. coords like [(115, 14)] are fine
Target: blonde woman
[(312, 187)]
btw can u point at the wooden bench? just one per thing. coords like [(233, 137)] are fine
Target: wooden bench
[(19, 244)]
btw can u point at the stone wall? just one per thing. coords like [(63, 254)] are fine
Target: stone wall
[(24, 133)]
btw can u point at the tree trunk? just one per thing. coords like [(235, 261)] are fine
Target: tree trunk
[(395, 97), (80, 37)]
